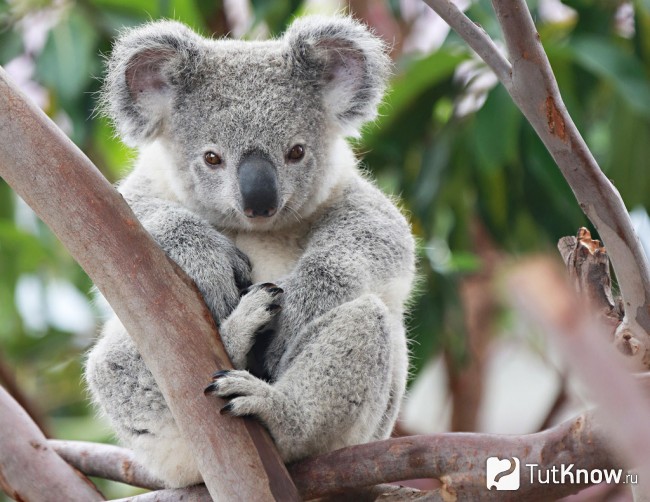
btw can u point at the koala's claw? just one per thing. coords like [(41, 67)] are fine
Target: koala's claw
[(257, 308), (219, 374), (226, 409), (274, 291), (210, 388)]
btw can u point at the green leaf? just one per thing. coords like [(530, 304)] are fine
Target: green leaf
[(20, 250), (277, 14), (114, 157), (187, 12), (642, 30), (497, 130), (11, 45), (618, 66), (628, 155), (420, 76), (150, 7), (408, 113), (69, 58)]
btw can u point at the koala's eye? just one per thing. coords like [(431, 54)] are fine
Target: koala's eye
[(296, 153), (212, 158)]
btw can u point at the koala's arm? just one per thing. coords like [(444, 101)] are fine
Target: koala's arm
[(211, 260), (362, 244)]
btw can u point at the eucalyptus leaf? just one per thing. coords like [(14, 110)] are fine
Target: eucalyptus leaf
[(69, 58)]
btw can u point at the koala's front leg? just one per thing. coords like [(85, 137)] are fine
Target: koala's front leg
[(334, 392), (212, 261)]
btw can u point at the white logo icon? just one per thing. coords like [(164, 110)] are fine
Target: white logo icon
[(502, 474)]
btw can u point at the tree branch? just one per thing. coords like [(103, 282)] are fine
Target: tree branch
[(385, 493), (106, 461), (457, 459), (534, 90), (588, 265), (536, 93), (159, 306), (197, 493), (29, 468)]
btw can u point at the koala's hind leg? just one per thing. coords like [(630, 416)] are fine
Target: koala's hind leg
[(335, 386), (128, 396)]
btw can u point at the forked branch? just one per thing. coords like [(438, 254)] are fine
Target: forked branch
[(529, 80)]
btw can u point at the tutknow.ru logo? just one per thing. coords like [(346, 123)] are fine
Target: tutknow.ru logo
[(504, 474)]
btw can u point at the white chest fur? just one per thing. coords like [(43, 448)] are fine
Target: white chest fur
[(272, 255)]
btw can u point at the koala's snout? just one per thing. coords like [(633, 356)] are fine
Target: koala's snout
[(258, 185)]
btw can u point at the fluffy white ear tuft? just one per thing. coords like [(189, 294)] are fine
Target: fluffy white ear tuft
[(350, 63), (145, 67)]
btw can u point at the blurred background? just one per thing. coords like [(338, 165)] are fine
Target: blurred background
[(479, 188)]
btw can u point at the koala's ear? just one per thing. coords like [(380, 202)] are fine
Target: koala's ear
[(145, 68), (350, 62)]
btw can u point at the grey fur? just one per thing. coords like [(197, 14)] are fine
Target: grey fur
[(329, 347)]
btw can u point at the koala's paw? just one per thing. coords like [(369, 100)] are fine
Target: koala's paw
[(257, 307), (259, 304), (249, 396)]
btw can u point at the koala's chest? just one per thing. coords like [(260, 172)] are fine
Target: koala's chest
[(272, 256)]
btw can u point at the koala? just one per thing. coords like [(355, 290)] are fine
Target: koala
[(245, 179)]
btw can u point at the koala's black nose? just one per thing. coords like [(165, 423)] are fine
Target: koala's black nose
[(258, 185)]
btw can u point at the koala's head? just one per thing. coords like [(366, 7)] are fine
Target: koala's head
[(251, 128)]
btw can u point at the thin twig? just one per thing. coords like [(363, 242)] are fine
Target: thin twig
[(8, 381), (385, 493), (107, 462), (196, 493), (558, 403), (475, 37)]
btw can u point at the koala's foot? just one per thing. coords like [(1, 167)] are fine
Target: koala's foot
[(257, 308), (249, 395)]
